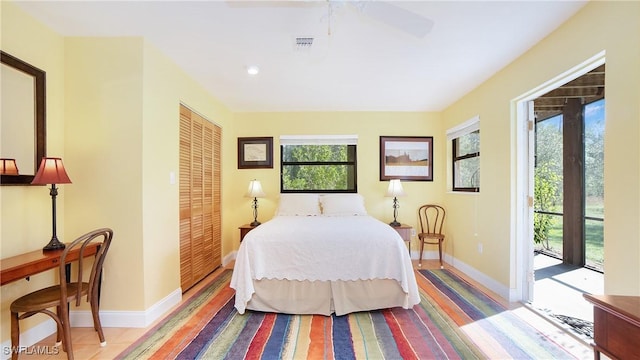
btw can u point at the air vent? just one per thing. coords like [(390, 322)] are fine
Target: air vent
[(303, 43)]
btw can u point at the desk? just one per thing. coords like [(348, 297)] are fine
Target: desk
[(24, 265), (616, 325)]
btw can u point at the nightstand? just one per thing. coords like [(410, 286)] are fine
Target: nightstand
[(405, 233), (244, 230)]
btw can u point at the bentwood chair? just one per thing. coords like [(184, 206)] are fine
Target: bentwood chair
[(431, 222), (60, 296)]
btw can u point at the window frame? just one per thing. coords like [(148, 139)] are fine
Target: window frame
[(348, 140), (454, 134), (456, 158)]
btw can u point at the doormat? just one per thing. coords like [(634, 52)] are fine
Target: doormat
[(580, 326)]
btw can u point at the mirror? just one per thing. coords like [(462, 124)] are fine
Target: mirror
[(22, 121)]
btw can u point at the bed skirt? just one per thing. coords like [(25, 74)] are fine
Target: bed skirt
[(326, 297)]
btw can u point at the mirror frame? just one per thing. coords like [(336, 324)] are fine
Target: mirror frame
[(39, 78)]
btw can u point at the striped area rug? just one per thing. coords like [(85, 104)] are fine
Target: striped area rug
[(453, 321)]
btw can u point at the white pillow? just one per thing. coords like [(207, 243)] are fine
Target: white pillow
[(298, 205), (342, 205)]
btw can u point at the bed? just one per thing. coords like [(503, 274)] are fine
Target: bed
[(323, 254)]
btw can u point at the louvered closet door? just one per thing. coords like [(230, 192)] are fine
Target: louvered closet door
[(200, 217)]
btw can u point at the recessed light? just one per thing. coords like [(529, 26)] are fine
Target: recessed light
[(253, 70)]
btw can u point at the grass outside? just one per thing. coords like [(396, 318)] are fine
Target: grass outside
[(594, 238)]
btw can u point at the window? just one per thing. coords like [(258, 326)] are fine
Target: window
[(318, 164), (465, 145)]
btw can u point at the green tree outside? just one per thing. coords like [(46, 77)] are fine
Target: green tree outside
[(316, 167)]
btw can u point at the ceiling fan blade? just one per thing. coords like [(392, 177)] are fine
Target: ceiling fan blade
[(397, 17), (272, 4)]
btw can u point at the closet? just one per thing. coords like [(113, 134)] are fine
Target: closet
[(200, 213)]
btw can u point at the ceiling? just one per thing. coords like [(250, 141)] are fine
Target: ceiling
[(587, 88), (360, 60)]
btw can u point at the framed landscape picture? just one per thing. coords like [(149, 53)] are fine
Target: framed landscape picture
[(406, 158), (255, 152)]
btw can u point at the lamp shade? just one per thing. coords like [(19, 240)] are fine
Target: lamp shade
[(8, 167), (51, 171), (395, 189), (255, 190)]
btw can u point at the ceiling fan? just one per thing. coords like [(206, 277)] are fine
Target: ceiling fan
[(385, 12)]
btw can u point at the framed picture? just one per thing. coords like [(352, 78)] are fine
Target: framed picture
[(255, 152), (406, 158)]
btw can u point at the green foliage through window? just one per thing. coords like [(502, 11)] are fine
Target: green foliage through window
[(548, 177), (466, 162), (318, 168), (548, 184), (546, 197)]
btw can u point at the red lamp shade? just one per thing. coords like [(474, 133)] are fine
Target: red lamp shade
[(8, 167), (51, 171)]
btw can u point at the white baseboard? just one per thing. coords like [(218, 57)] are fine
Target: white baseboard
[(130, 319), (483, 279), (426, 255), (108, 318), (31, 336), (470, 271), (229, 258)]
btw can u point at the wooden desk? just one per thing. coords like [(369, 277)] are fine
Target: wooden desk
[(24, 265), (616, 325)]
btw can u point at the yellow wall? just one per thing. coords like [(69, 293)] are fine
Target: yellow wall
[(112, 107), (113, 112), (610, 26), (26, 210), (165, 87), (369, 126), (122, 132), (103, 143)]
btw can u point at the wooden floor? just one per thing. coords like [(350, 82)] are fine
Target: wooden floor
[(87, 346)]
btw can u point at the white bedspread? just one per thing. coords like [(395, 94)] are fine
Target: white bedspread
[(324, 248)]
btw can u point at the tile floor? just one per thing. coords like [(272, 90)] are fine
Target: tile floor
[(559, 287)]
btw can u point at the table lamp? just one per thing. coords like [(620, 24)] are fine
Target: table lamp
[(8, 167), (395, 190), (51, 171), (255, 191)]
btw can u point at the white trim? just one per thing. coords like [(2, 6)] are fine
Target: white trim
[(465, 128), (451, 192), (32, 336), (523, 266), (129, 319), (199, 114), (563, 78), (484, 280), (318, 139), (229, 258), (83, 318), (427, 255)]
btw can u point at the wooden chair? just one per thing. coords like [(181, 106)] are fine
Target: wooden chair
[(59, 296), (431, 222)]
